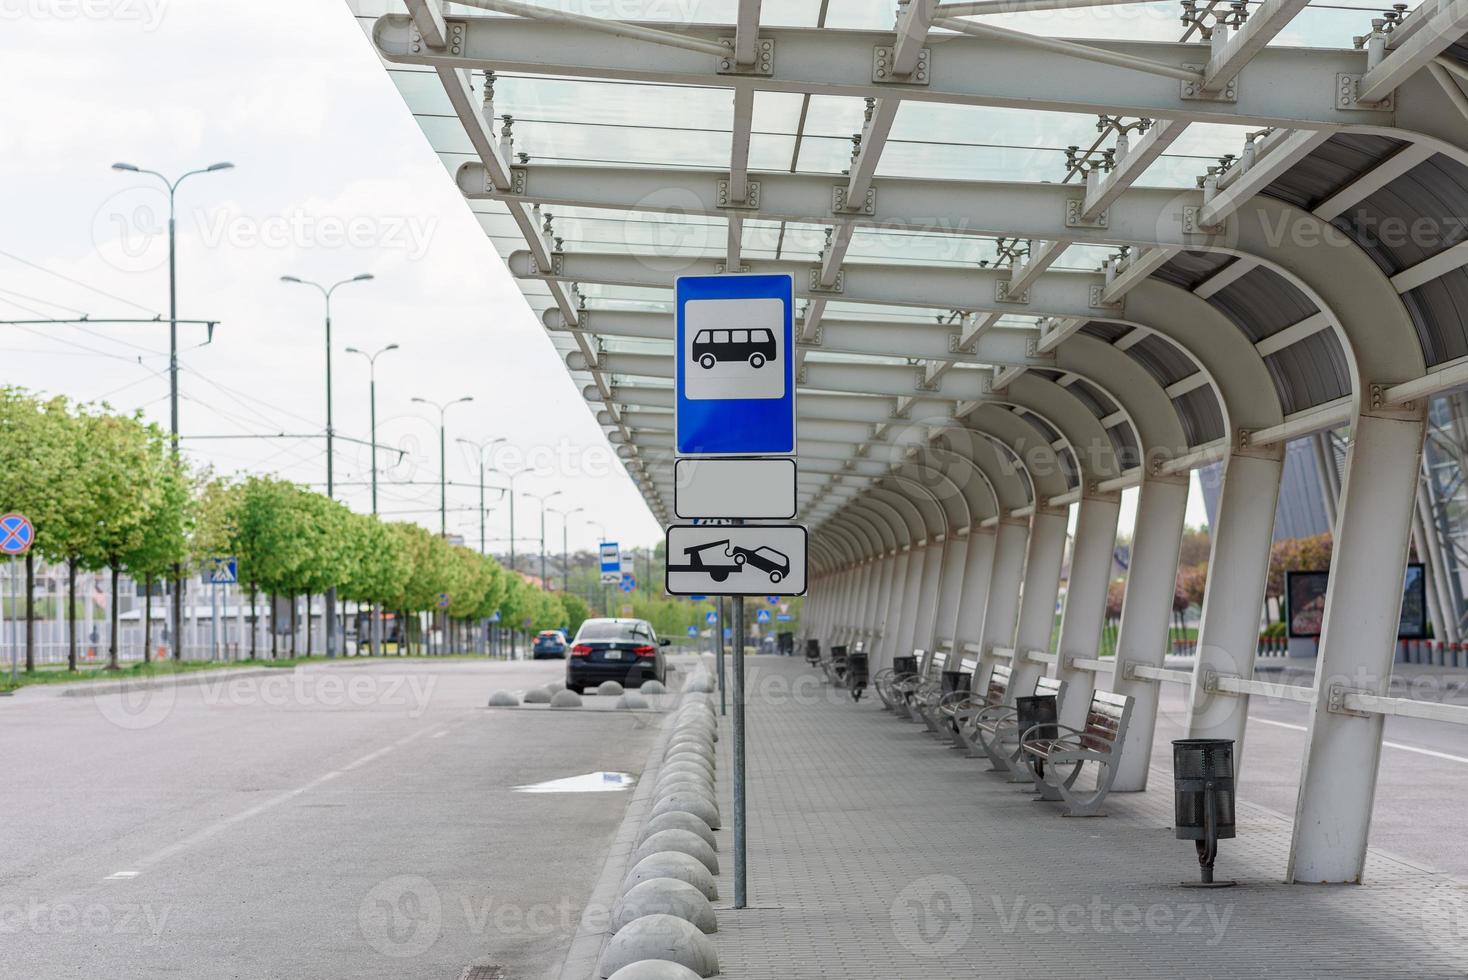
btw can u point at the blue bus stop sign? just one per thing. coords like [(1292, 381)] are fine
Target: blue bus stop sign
[(711, 617), (17, 534), (734, 367), (762, 617), (693, 631)]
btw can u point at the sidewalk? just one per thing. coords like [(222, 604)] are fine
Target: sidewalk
[(878, 852)]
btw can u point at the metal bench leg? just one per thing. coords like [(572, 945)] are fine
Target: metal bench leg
[(1088, 804), (1043, 790)]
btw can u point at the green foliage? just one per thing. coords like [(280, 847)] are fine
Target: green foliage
[(105, 490)]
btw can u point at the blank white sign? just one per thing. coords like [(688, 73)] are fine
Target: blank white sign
[(750, 489)]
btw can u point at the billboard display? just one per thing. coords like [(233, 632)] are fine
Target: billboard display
[(1305, 603)]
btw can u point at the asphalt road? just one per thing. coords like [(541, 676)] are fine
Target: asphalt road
[(355, 821), (1421, 784)]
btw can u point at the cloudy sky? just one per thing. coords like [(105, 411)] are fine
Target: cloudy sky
[(332, 179)]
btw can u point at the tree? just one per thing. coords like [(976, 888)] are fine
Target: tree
[(37, 479), (163, 542), (122, 491)]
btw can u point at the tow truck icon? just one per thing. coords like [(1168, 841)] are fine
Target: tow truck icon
[(773, 563)]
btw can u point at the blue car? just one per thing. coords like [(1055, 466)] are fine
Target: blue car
[(549, 645)]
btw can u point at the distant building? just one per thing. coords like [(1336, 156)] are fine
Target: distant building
[(1300, 512)]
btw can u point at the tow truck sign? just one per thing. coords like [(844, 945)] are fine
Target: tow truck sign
[(750, 559)]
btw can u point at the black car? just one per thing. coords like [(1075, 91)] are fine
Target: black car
[(623, 650), (549, 644)]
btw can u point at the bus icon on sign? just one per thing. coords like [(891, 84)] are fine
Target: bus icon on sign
[(756, 346)]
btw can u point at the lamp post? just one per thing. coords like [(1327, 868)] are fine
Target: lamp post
[(376, 627), (565, 516), (326, 292), (172, 185), (512, 477), (482, 448), (542, 498), (443, 464), (443, 460)]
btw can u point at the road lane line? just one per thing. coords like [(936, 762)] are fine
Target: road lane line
[(1386, 744)]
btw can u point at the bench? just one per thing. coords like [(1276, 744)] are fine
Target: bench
[(1050, 750), (996, 729), (835, 665), (884, 680), (966, 709), (950, 683), (920, 690), (903, 690)]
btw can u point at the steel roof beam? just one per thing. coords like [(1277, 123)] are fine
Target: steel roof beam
[(1068, 294), (1291, 87), (1446, 26), (1007, 345), (1142, 216)]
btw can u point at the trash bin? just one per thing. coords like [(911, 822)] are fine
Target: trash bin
[(904, 666), (856, 675), (1040, 712), (785, 643), (954, 680), (813, 652), (1203, 799)]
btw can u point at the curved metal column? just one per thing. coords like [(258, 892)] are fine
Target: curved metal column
[(1238, 571), (1357, 644), (978, 569), (1146, 609), (1084, 615)]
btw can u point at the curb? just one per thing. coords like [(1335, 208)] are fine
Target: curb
[(591, 933), (87, 689)]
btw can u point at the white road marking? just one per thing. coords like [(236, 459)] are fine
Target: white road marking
[(121, 875), (368, 758), (440, 734), (1390, 745)]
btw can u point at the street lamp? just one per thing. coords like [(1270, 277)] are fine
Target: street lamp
[(565, 552), (172, 186), (482, 448), (512, 477), (372, 407), (543, 497), (326, 292), (443, 460), (376, 628)]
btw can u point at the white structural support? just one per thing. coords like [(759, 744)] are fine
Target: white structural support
[(1358, 642)]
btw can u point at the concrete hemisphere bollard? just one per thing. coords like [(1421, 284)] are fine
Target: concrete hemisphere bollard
[(660, 937), (672, 864), (610, 689), (696, 743), (566, 699), (689, 803), (690, 758), (688, 787), (654, 970), (632, 702), (555, 686), (686, 765), (681, 841), (503, 699), (699, 685), (653, 687), (665, 896), (680, 821), (678, 779), (538, 695)]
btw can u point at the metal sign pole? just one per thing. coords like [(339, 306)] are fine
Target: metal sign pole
[(719, 622), (14, 617), (740, 829)]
